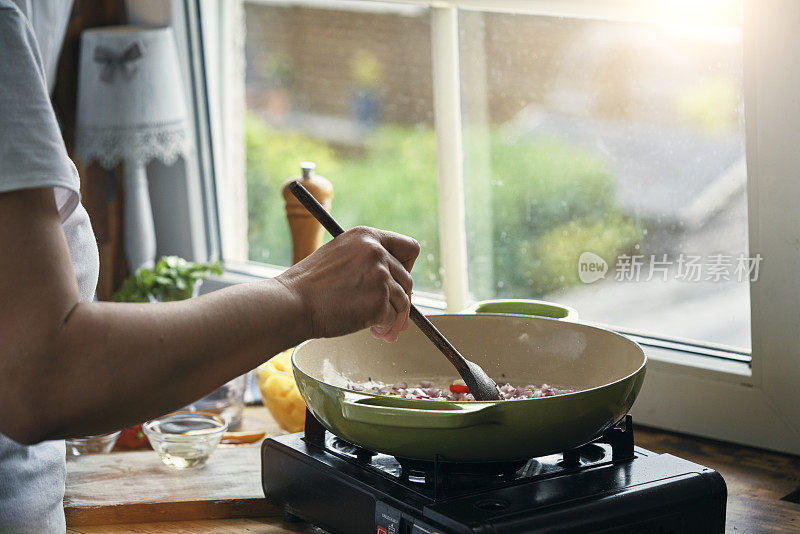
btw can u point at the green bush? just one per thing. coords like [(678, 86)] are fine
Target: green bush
[(548, 199), (273, 157), (542, 204), (392, 186), (553, 262)]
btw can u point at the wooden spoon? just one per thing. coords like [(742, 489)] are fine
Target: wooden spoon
[(480, 385)]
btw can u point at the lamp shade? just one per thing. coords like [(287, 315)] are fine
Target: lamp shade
[(130, 97)]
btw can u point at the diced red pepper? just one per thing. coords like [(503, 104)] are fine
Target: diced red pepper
[(459, 388)]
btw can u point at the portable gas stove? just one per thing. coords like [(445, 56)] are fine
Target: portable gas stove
[(606, 486)]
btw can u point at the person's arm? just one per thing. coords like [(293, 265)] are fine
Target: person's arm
[(69, 368)]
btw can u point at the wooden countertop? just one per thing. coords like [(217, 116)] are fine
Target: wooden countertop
[(131, 492)]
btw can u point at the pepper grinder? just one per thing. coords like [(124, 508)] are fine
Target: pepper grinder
[(306, 231)]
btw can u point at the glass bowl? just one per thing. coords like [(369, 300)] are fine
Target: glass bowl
[(185, 439), (227, 401), (279, 392), (97, 444)]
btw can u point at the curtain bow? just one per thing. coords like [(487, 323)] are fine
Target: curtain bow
[(126, 61)]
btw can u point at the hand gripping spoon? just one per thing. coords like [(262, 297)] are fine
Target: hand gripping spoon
[(480, 385)]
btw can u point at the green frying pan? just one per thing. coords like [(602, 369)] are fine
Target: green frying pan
[(606, 368)]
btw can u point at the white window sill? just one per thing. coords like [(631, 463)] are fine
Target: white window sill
[(673, 356), (243, 272)]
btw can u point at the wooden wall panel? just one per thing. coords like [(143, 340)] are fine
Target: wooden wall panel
[(101, 190)]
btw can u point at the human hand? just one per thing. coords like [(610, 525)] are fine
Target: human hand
[(359, 279)]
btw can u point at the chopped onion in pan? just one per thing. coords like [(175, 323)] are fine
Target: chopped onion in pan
[(457, 391)]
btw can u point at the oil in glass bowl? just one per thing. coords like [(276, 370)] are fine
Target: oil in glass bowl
[(185, 439)]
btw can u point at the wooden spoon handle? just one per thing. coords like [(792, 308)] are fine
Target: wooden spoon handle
[(439, 340), (330, 224)]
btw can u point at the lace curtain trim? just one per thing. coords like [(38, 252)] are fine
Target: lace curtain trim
[(139, 144)]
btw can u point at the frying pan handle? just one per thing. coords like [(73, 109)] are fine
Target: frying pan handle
[(388, 411)]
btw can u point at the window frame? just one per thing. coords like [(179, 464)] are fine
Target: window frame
[(690, 391)]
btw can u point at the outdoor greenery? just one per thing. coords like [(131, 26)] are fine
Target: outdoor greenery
[(542, 203), (549, 202), (391, 186), (273, 157)]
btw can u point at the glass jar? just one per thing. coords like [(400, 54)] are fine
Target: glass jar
[(227, 401)]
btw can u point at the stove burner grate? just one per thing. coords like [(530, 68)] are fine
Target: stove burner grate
[(604, 486), (442, 477), (459, 469)]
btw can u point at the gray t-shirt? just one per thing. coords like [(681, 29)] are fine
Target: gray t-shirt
[(32, 154)]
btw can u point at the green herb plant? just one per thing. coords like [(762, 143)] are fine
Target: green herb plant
[(173, 278)]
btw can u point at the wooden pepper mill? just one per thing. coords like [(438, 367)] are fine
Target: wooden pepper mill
[(306, 231)]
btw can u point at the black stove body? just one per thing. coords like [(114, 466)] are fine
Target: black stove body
[(607, 486)]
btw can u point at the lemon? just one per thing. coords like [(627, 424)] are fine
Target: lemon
[(279, 392)]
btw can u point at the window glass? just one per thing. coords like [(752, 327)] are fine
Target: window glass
[(605, 169), (350, 89)]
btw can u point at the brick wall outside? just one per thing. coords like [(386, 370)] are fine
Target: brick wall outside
[(319, 46)]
